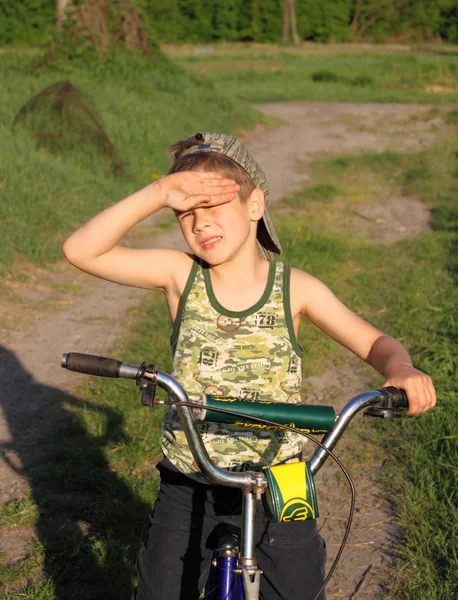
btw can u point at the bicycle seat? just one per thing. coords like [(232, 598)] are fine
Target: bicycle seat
[(224, 537)]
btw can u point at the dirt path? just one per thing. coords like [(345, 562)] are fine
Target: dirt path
[(49, 322)]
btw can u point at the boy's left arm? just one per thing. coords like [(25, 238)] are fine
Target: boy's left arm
[(313, 299), (392, 360)]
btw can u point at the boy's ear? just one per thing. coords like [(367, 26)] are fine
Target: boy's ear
[(257, 205)]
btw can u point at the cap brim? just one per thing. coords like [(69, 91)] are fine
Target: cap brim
[(269, 246)]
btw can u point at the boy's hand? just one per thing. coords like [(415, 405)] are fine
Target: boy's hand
[(191, 189), (418, 387)]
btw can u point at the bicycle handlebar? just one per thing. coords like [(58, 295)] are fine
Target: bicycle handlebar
[(99, 365), (103, 367), (385, 402), (392, 400), (397, 397), (307, 418)]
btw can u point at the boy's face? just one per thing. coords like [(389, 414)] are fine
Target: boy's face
[(216, 233)]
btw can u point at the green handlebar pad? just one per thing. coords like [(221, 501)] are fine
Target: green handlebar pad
[(308, 418)]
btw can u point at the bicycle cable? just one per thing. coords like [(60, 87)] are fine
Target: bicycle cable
[(318, 443)]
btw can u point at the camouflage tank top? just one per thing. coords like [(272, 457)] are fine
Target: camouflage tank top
[(251, 354)]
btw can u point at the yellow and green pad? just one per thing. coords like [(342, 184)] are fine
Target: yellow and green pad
[(290, 493)]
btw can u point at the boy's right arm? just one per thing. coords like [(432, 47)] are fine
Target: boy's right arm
[(93, 248)]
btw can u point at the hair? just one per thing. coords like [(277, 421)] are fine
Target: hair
[(209, 161)]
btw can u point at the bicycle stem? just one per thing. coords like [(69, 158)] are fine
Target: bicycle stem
[(251, 483), (247, 545)]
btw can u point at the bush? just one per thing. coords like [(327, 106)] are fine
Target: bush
[(325, 76), (27, 23), (32, 22)]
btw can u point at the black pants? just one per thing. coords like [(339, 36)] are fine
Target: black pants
[(174, 561)]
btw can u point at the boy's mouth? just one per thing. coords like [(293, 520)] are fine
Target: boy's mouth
[(210, 242)]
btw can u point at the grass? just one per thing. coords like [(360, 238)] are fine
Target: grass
[(409, 290), (89, 531), (320, 193), (18, 513), (452, 117), (104, 445), (326, 73), (143, 108)]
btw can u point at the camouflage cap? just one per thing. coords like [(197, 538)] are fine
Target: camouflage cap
[(268, 243)]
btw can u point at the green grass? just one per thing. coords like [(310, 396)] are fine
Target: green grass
[(143, 107), (452, 117), (409, 290), (18, 513), (327, 74), (317, 193), (89, 531)]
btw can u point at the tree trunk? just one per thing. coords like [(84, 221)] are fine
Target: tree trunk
[(294, 32), (285, 21), (61, 6)]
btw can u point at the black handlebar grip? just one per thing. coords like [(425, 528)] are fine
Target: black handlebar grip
[(398, 397), (92, 365)]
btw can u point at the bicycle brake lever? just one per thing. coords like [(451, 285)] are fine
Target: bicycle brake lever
[(389, 405), (147, 384)]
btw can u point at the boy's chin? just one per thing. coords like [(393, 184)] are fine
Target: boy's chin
[(211, 258), (213, 261)]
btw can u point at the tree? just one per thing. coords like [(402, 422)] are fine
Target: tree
[(101, 26), (289, 17), (368, 12)]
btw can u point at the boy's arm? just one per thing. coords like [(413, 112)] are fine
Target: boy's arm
[(93, 247), (390, 358), (312, 299)]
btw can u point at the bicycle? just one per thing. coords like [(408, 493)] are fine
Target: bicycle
[(235, 574)]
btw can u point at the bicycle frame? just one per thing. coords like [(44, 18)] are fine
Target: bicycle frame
[(253, 484), (225, 581)]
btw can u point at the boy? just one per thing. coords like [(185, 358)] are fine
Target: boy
[(236, 315)]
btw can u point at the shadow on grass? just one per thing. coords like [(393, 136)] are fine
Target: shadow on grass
[(89, 521)]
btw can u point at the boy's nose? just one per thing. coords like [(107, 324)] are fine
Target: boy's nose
[(201, 220)]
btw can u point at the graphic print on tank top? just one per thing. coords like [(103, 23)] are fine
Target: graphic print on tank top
[(251, 354)]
